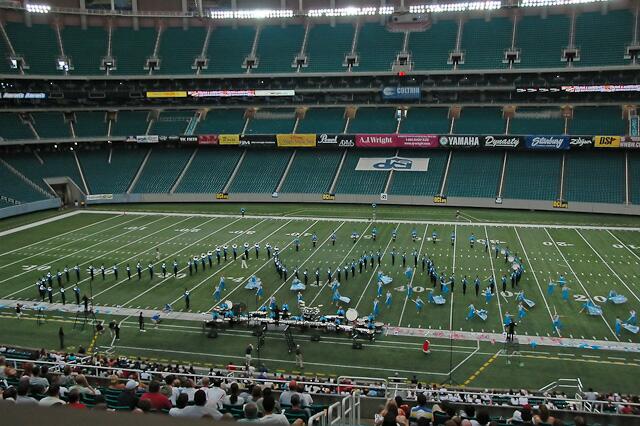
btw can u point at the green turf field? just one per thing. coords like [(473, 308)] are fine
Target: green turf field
[(594, 260)]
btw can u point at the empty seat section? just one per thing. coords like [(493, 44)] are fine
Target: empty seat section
[(131, 48), (179, 49), (5, 52), (634, 177), (328, 57), (228, 47), (426, 120), (602, 120), (17, 189), (37, 45), (420, 183), (12, 127), (51, 125), (56, 164), (209, 171), (222, 121), (130, 123), (377, 48), (352, 181), (541, 41), (608, 50), (260, 171), (474, 174), (594, 177), (322, 120), (373, 120), (277, 48), (478, 121), (537, 121), (162, 169), (90, 124), (171, 123), (311, 172), (532, 176), (484, 42), (115, 176), (430, 48), (271, 121), (85, 48)]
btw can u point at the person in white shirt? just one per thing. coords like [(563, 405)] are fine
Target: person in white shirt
[(270, 418), (233, 398), (216, 394), (200, 409), (285, 397)]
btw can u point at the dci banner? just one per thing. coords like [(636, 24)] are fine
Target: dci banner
[(296, 140)]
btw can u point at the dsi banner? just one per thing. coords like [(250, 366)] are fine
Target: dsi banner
[(392, 140), (607, 141), (401, 93), (547, 142), (296, 140), (208, 140), (229, 139)]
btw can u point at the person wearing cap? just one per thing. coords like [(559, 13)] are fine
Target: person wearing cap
[(128, 398), (285, 396)]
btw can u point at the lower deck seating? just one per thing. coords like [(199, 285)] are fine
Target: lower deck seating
[(352, 181), (373, 120), (474, 174), (209, 171), (55, 164), (12, 127), (532, 176), (420, 183), (260, 171), (311, 172), (162, 169), (12, 186), (594, 177), (634, 177), (537, 121), (479, 121), (110, 171)]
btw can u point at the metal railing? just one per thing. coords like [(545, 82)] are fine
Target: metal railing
[(345, 412)]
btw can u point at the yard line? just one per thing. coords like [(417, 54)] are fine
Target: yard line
[(607, 265), (624, 245), (104, 254), (468, 356), (341, 262), (579, 282), (495, 280), (406, 297), (535, 277), (86, 248), (172, 254), (453, 271), (373, 273), (45, 221), (74, 241)]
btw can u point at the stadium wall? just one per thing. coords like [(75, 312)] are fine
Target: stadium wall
[(35, 206)]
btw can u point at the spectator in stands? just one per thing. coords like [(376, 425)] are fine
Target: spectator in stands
[(37, 380), (256, 393), (189, 389), (421, 410), (67, 379), (200, 409), (271, 418), (543, 416), (144, 406), (216, 394), (74, 400), (181, 403), (285, 397), (158, 401), (170, 389), (482, 418), (127, 397), (83, 386), (403, 409), (296, 408), (3, 367), (305, 397), (590, 395), (114, 383), (53, 397), (250, 410), (10, 394), (23, 391), (390, 415), (267, 392), (233, 399), (579, 421)]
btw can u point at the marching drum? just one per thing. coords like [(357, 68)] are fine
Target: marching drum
[(351, 314)]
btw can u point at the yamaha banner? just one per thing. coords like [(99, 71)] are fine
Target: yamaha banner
[(547, 142), (401, 93), (462, 141)]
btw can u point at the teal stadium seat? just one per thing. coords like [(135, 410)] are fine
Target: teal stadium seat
[(41, 57), (474, 174), (277, 48), (209, 171), (601, 120), (86, 48), (322, 120), (532, 176), (373, 120), (537, 121), (12, 127), (131, 48), (430, 48), (271, 121), (328, 57), (51, 125), (5, 67), (172, 122), (14, 187), (634, 177), (104, 177), (541, 41), (479, 121), (420, 183), (311, 172), (484, 42), (260, 171), (432, 120), (179, 49), (228, 47), (90, 124), (596, 50), (130, 123), (162, 169), (594, 177), (377, 48), (223, 121), (352, 181), (56, 164)]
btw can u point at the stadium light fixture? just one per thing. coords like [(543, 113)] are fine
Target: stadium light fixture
[(456, 7), (38, 8), (543, 3), (251, 14)]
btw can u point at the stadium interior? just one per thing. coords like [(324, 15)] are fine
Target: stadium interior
[(519, 111)]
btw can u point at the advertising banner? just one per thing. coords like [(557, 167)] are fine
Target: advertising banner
[(229, 139), (392, 140), (547, 142), (222, 196), (607, 141), (328, 197), (401, 93), (257, 140), (238, 93), (399, 164), (147, 139), (501, 141), (440, 199), (95, 197), (461, 141), (176, 94), (418, 141), (630, 142), (560, 204), (303, 140), (580, 142), (336, 141), (207, 139)]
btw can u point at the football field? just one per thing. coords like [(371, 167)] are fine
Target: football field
[(594, 259)]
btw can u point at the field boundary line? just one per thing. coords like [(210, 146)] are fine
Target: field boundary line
[(406, 295)]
